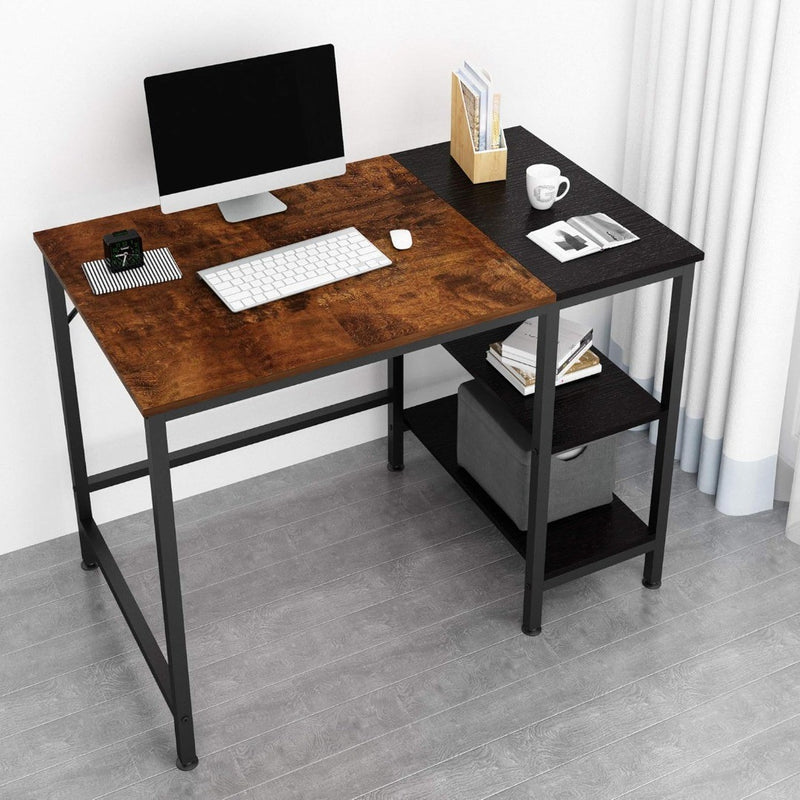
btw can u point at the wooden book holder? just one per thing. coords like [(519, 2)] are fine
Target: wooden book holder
[(480, 166)]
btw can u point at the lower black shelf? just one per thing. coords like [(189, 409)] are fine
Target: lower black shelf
[(576, 545)]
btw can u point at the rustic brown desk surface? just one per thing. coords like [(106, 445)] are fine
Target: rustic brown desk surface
[(175, 344)]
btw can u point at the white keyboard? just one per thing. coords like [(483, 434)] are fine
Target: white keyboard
[(284, 271)]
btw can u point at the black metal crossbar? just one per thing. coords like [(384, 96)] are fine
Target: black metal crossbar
[(130, 608), (224, 444)]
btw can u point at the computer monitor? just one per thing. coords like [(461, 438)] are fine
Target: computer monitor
[(229, 133)]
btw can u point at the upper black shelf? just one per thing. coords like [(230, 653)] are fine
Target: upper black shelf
[(502, 211), (585, 410)]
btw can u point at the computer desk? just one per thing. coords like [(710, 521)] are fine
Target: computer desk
[(470, 277)]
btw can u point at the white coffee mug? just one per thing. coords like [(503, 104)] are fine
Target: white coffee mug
[(543, 182)]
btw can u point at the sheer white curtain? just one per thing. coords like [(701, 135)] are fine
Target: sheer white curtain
[(713, 150)]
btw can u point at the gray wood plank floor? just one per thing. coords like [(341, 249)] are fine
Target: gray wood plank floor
[(355, 633)]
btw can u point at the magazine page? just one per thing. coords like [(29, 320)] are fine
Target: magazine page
[(603, 230), (563, 241)]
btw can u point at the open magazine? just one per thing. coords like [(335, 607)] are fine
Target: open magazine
[(580, 236)]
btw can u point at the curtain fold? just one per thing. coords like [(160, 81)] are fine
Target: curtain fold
[(713, 121)]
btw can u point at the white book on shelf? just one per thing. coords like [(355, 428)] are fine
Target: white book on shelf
[(521, 344), (524, 380)]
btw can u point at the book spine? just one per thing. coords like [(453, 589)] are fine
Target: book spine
[(495, 143), (472, 106), (522, 388), (515, 357), (530, 388), (576, 350)]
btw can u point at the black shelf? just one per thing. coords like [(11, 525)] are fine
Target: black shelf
[(585, 410), (576, 545)]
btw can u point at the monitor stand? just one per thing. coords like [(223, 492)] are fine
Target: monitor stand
[(256, 205)]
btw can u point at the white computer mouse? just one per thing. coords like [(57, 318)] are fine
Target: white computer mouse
[(401, 238)]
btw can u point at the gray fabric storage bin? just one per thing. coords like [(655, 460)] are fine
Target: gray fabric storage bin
[(496, 450)]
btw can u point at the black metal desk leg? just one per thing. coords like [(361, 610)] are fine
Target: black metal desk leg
[(677, 334), (69, 405), (541, 453), (171, 600), (395, 384)]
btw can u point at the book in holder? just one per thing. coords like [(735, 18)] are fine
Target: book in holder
[(480, 166)]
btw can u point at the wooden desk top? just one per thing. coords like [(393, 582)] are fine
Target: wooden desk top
[(175, 344), (502, 211)]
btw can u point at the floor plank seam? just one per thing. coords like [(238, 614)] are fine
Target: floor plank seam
[(82, 755), (719, 750), (149, 687), (621, 594), (159, 637), (127, 739), (708, 561), (265, 686), (765, 788), (670, 575), (257, 535), (193, 497), (579, 611), (694, 610), (4, 615), (116, 615), (558, 666), (578, 705), (485, 526), (642, 730), (407, 483)]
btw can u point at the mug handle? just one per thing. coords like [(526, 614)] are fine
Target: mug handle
[(563, 180)]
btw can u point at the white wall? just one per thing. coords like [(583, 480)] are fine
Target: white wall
[(74, 145)]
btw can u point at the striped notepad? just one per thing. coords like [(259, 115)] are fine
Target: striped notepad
[(159, 266)]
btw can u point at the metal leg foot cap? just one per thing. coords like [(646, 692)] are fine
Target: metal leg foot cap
[(531, 631), (393, 468), (650, 585), (188, 766), (87, 567)]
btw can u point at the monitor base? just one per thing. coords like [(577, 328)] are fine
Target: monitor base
[(256, 205)]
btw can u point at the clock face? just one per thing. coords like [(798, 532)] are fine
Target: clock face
[(125, 255)]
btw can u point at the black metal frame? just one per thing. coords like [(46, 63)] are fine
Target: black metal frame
[(677, 335), (541, 453), (542, 436), (171, 673)]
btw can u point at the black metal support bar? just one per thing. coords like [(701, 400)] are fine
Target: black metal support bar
[(677, 335), (172, 603), (69, 406), (396, 426), (541, 447), (139, 469), (72, 314), (130, 610)]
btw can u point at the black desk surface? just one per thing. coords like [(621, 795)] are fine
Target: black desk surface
[(502, 211)]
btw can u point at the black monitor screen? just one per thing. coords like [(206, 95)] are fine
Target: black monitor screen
[(217, 124)]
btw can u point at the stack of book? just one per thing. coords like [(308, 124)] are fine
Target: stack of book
[(515, 357), (482, 104)]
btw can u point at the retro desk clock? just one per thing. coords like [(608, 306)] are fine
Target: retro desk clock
[(123, 250)]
